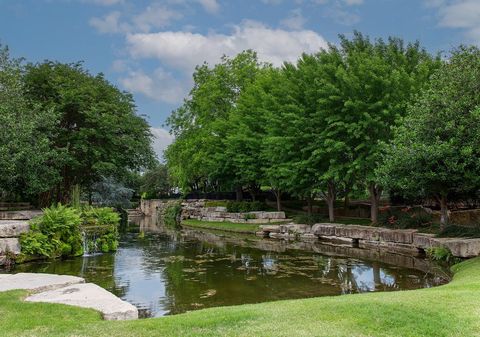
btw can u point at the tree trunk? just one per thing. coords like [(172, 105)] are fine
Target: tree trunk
[(309, 206), (375, 193), (346, 200), (239, 193), (331, 196), (278, 195), (443, 212)]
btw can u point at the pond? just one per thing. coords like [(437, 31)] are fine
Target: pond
[(164, 271)]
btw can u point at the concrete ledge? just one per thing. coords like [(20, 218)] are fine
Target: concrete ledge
[(89, 295), (35, 283)]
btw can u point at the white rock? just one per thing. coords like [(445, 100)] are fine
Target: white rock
[(13, 228), (37, 282), (11, 245), (89, 295)]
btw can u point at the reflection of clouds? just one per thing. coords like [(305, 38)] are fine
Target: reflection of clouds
[(388, 280), (269, 263), (246, 260)]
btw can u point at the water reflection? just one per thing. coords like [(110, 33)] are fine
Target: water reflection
[(163, 271)]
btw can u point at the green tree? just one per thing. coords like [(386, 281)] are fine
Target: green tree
[(155, 183), (26, 153), (436, 150), (196, 159), (98, 133), (367, 97)]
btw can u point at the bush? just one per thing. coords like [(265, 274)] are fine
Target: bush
[(245, 206), (61, 231), (100, 227), (442, 254), (309, 219), (403, 218), (216, 203), (452, 231), (172, 215), (54, 234)]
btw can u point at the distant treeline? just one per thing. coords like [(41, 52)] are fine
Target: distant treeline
[(361, 117)]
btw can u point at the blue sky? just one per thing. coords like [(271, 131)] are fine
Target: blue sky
[(150, 48)]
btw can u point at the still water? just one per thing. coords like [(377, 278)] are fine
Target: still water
[(163, 271)]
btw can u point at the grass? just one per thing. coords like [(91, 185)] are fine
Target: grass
[(449, 310), (224, 226)]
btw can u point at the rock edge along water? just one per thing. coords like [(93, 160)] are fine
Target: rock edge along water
[(69, 290)]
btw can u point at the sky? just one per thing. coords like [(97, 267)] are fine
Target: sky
[(151, 47)]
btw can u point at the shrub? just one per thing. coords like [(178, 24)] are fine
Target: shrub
[(442, 254), (100, 226), (56, 233), (309, 219), (460, 231), (245, 206), (216, 203), (403, 218), (172, 214)]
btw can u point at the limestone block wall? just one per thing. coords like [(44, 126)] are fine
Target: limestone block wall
[(10, 231), (195, 209)]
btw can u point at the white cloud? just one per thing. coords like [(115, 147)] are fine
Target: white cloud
[(211, 6), (105, 2), (185, 50), (295, 21), (162, 138), (160, 85), (155, 16), (110, 23), (461, 14)]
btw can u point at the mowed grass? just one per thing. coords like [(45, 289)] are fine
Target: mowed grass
[(223, 226), (449, 310)]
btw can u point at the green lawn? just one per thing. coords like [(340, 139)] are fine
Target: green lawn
[(449, 310), (224, 226)]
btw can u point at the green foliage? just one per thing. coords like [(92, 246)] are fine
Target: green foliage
[(54, 234), (404, 218), (216, 203), (156, 183), (442, 254), (58, 232), (436, 151), (245, 206), (309, 219), (100, 226), (457, 231), (172, 215)]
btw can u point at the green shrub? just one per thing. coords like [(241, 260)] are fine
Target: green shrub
[(172, 215), (309, 219), (442, 254), (100, 226), (248, 216), (404, 218), (56, 233), (245, 206), (60, 232), (216, 203), (452, 231)]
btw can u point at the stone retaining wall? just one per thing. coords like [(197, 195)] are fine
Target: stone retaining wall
[(409, 241), (10, 231), (195, 209)]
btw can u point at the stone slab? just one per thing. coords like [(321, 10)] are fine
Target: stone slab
[(13, 228), (324, 229), (462, 247), (89, 295), (36, 282), (270, 228), (358, 232), (397, 235), (11, 245)]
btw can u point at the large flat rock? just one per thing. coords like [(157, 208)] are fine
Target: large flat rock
[(9, 245), (89, 295), (36, 282), (13, 228)]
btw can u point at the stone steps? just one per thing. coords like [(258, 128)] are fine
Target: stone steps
[(69, 290)]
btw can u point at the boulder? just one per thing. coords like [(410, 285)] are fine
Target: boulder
[(270, 228), (89, 295), (13, 228), (36, 282), (324, 229), (11, 245)]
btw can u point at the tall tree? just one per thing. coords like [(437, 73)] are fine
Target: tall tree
[(98, 133), (26, 153), (436, 150), (376, 81)]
